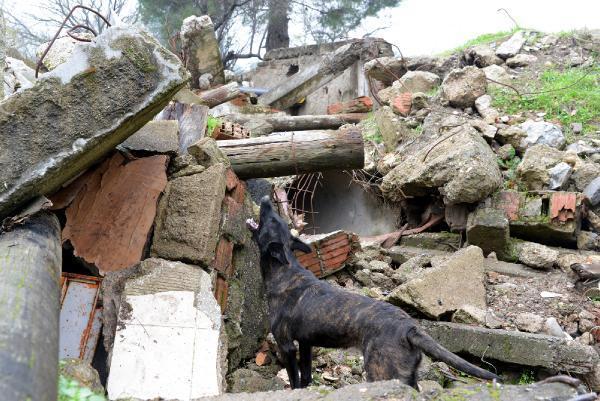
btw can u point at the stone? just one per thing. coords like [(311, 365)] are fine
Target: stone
[(549, 40), (419, 81), (487, 131), (82, 372), (512, 46), (592, 191), (521, 60), (156, 137), (132, 78), (207, 153), (529, 322), (506, 152), (514, 347), (482, 56), (200, 46), (385, 69), (61, 50), (391, 128), (512, 136), (17, 76), (541, 132), (462, 168), (188, 217), (469, 314), (537, 256), (462, 86), (584, 173), (204, 81), (249, 381), (362, 104), (497, 73), (588, 240), (488, 229), (483, 104), (449, 284), (533, 169), (419, 101), (559, 176), (552, 328), (577, 128), (171, 324)]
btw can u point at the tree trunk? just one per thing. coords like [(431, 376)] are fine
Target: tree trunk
[(30, 265), (277, 28), (295, 153), (222, 94)]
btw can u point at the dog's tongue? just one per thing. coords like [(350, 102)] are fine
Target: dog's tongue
[(251, 224)]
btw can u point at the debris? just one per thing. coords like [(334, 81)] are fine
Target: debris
[(17, 76), (38, 204), (220, 95), (201, 49), (249, 381), (521, 60), (155, 137), (385, 69), (536, 255), (496, 73), (541, 132), (552, 328), (559, 176), (330, 252), (295, 153), (30, 265), (266, 124), (419, 81), (207, 153), (549, 294), (512, 46), (61, 50), (82, 372), (463, 86), (488, 229), (87, 123), (483, 104), (361, 104), (481, 56), (191, 119), (402, 104), (530, 322), (80, 317), (171, 324), (228, 130), (111, 217), (592, 191), (533, 169)]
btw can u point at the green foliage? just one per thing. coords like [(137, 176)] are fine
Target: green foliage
[(511, 166), (482, 40), (565, 96), (211, 124), (527, 377), (71, 390), (371, 130)]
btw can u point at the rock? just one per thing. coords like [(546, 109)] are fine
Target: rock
[(549, 40), (155, 137), (529, 322), (533, 170), (512, 46), (552, 328), (169, 323), (188, 217), (201, 49), (521, 60), (588, 240), (229, 76), (483, 104), (469, 314), (537, 256), (419, 101), (17, 76), (594, 220), (514, 347), (577, 128), (449, 284), (82, 372), (584, 173), (462, 168), (506, 152), (204, 81), (249, 381), (512, 136), (462, 86), (385, 69), (132, 78), (488, 229), (487, 131), (482, 56), (559, 175), (419, 81), (207, 153), (575, 59), (541, 132), (392, 129), (592, 191), (586, 339), (498, 74), (61, 50)]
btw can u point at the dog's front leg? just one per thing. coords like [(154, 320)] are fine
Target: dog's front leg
[(305, 364), (288, 355)]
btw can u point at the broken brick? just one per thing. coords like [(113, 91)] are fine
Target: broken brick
[(563, 206), (402, 104), (330, 252), (361, 104), (221, 291), (223, 257), (231, 180)]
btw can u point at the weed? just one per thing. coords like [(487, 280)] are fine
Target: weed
[(71, 390), (371, 130), (211, 124), (482, 40), (527, 377)]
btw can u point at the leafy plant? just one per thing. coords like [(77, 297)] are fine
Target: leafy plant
[(71, 390), (527, 377), (371, 130), (211, 124)]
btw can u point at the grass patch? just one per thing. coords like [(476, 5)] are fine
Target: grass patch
[(579, 103), (481, 40)]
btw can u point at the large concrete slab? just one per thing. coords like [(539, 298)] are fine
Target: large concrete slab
[(169, 342), (82, 109)]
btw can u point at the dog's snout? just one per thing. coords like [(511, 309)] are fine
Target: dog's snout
[(265, 203)]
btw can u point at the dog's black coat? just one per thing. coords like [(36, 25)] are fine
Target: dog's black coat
[(314, 313)]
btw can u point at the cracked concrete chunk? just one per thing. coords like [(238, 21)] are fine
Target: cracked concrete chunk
[(78, 112), (156, 137), (188, 219), (170, 324)]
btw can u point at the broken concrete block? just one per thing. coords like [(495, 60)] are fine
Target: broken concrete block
[(107, 90), (512, 46), (201, 49), (361, 104), (188, 218), (207, 153), (17, 76), (155, 137), (483, 104), (462, 86), (529, 322), (542, 132), (521, 60), (559, 175), (498, 74), (515, 347), (60, 51), (488, 229), (481, 56), (109, 221), (536, 255), (592, 191), (449, 284), (533, 170), (169, 324), (419, 81), (385, 69)]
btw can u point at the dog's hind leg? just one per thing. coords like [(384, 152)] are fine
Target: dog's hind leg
[(305, 364), (288, 355), (385, 361)]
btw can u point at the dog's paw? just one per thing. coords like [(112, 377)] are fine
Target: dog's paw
[(251, 224)]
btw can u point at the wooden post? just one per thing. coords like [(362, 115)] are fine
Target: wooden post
[(295, 153), (30, 266), (222, 94), (265, 125)]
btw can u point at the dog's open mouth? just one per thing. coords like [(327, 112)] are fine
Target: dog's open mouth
[(252, 225)]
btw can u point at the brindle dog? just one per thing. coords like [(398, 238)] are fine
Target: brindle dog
[(314, 313)]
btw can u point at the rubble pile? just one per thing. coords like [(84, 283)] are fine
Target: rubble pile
[(134, 175)]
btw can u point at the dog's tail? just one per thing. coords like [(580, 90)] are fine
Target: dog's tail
[(428, 345)]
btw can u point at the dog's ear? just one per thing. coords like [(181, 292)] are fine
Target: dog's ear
[(299, 245), (277, 252)]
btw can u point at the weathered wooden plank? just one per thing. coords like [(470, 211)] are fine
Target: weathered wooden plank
[(222, 94), (264, 125)]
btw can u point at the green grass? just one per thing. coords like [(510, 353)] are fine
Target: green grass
[(579, 103), (481, 40), (371, 129), (71, 390), (527, 377)]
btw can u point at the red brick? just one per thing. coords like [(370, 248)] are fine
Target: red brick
[(402, 104), (221, 291), (231, 180), (223, 257), (361, 104)]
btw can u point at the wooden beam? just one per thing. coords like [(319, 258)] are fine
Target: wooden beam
[(30, 265), (222, 94), (295, 153), (264, 125)]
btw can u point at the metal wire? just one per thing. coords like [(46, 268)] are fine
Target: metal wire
[(301, 193)]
